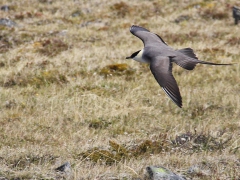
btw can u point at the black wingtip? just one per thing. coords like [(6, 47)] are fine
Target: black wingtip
[(135, 28), (175, 97)]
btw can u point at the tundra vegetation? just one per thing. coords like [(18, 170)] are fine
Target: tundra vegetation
[(69, 94)]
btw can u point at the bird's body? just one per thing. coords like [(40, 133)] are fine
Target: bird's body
[(160, 57)]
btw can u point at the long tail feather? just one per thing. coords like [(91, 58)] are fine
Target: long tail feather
[(210, 63)]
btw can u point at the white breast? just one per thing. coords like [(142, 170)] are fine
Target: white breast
[(139, 57)]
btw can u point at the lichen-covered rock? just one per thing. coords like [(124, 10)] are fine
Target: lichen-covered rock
[(161, 173)]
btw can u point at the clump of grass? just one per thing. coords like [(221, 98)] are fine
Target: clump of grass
[(121, 9), (213, 50), (47, 77), (2, 64), (202, 4), (24, 162), (147, 147), (214, 14), (118, 152), (196, 111), (39, 79), (193, 142), (23, 15), (51, 47), (10, 104), (99, 124), (5, 45), (100, 156), (7, 41), (233, 41), (11, 38), (209, 10)]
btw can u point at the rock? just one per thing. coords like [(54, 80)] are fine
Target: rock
[(7, 22), (10, 104), (161, 173), (64, 171), (76, 13), (66, 167), (182, 18), (5, 8)]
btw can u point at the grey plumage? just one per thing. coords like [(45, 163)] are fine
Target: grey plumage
[(236, 14), (160, 56)]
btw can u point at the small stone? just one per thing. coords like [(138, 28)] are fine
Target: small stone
[(7, 22), (66, 167), (10, 104), (161, 173), (76, 13), (5, 8), (182, 18)]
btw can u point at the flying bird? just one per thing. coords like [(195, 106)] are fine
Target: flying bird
[(160, 56)]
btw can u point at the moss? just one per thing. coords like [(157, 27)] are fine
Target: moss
[(98, 155), (116, 69), (120, 150)]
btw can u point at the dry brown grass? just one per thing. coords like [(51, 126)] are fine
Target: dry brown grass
[(68, 94)]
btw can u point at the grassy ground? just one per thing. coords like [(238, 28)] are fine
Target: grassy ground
[(69, 94)]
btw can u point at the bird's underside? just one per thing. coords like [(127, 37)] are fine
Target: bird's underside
[(161, 56)]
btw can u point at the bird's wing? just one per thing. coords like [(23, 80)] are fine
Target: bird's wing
[(161, 68), (146, 36)]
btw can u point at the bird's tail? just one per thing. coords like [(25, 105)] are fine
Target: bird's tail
[(190, 60), (210, 63)]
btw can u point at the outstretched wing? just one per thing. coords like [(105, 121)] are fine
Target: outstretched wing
[(161, 68), (145, 35)]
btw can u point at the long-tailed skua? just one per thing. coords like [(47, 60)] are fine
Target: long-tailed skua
[(160, 57)]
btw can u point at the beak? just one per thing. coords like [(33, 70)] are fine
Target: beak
[(128, 58)]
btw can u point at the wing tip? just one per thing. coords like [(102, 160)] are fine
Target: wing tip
[(134, 28), (177, 99)]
